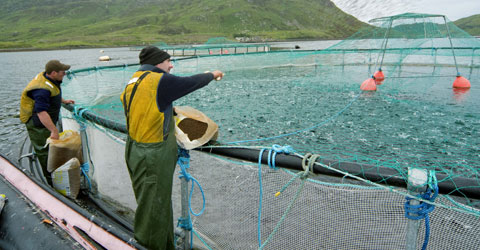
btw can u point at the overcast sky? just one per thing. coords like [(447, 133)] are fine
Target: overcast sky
[(369, 9)]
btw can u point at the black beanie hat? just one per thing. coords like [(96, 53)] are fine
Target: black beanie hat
[(152, 55)]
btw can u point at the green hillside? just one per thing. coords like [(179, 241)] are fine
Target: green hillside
[(470, 24), (75, 23)]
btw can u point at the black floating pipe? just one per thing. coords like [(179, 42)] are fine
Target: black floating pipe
[(459, 186), (113, 125)]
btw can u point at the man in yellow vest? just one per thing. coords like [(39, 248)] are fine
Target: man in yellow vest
[(40, 108), (151, 147)]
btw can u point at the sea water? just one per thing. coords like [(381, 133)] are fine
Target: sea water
[(17, 69), (425, 122)]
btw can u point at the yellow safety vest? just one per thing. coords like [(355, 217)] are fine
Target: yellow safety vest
[(144, 121), (27, 103)]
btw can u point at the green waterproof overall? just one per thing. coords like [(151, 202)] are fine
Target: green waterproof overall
[(151, 156), (151, 148), (38, 138), (151, 167)]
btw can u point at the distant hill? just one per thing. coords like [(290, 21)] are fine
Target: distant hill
[(470, 24), (78, 23)]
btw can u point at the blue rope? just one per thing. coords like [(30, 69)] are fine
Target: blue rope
[(272, 153), (184, 162), (85, 168), (82, 111), (78, 111), (76, 108), (185, 223), (421, 211), (78, 115)]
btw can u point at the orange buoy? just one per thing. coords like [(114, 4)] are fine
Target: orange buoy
[(369, 85), (461, 82), (379, 77)]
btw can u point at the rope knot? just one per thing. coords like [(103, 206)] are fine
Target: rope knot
[(287, 149), (272, 153), (307, 164), (421, 211), (185, 223), (184, 162), (78, 115)]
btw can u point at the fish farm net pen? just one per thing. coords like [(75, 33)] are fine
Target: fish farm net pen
[(311, 100)]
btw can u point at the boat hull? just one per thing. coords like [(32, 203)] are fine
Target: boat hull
[(73, 226)]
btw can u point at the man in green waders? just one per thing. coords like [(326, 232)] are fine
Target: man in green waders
[(151, 147), (40, 107)]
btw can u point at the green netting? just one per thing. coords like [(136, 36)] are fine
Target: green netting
[(311, 100), (221, 40), (160, 44)]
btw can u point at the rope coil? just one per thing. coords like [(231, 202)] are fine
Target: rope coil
[(307, 165), (272, 153), (78, 115), (184, 162)]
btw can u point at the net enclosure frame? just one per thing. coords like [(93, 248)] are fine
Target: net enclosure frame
[(349, 209), (214, 46)]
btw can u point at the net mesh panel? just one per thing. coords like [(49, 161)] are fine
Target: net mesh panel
[(325, 216), (311, 100)]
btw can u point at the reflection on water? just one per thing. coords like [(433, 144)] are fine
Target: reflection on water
[(460, 94)]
